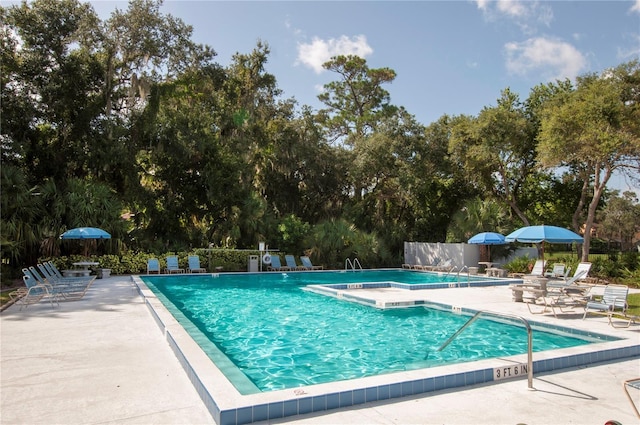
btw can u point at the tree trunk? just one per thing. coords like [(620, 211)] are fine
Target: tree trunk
[(591, 216)]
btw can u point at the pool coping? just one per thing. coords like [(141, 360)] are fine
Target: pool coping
[(228, 406)]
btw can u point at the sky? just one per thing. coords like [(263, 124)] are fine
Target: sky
[(451, 57)]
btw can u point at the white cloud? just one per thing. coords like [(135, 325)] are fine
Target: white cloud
[(319, 51), (547, 58), (482, 4), (633, 50), (512, 8), (635, 7), (526, 14)]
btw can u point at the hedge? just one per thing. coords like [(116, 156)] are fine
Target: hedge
[(229, 260)]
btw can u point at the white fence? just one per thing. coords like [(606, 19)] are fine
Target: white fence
[(461, 254)]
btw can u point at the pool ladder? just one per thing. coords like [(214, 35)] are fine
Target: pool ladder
[(453, 270), (509, 316), (348, 264)]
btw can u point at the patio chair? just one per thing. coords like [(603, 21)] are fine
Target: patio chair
[(54, 279), (584, 267), (153, 266), (536, 271), (172, 265), (632, 383), (276, 265), (291, 262), (569, 285), (194, 265), (559, 271), (32, 293), (306, 263), (561, 295), (614, 297), (57, 274), (68, 292), (431, 266), (445, 266)]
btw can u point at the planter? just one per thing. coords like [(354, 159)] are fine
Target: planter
[(103, 273)]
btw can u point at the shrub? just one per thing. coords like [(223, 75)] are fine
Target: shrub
[(519, 265)]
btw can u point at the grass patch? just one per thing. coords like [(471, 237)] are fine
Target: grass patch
[(634, 304), (8, 287), (4, 296)]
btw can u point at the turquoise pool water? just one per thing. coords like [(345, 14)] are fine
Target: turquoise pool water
[(280, 336)]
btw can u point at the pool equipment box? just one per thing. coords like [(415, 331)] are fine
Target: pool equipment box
[(511, 371)]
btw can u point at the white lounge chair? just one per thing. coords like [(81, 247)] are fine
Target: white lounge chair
[(564, 296), (559, 271), (614, 298), (632, 383), (536, 271), (432, 265), (583, 267)]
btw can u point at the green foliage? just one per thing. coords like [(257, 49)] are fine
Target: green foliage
[(519, 265), (594, 130), (620, 219), (292, 233), (476, 216), (129, 116)]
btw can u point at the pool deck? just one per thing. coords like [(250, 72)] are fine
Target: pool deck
[(103, 359)]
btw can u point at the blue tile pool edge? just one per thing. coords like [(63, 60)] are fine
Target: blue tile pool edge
[(228, 407)]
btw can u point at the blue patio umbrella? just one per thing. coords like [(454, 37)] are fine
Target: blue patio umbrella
[(85, 233), (487, 238), (543, 233)]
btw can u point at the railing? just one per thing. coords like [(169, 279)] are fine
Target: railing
[(451, 270), (529, 338), (348, 264), (468, 278)]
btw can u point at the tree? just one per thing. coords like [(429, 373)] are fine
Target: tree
[(478, 215), (497, 150), (357, 102), (620, 219), (356, 105), (595, 130)]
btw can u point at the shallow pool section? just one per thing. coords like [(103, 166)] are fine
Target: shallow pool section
[(240, 329)]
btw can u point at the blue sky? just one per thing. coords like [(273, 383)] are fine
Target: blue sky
[(451, 57)]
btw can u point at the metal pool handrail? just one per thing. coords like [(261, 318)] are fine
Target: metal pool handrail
[(348, 263), (468, 278), (512, 316)]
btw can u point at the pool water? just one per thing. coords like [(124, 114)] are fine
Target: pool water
[(280, 336)]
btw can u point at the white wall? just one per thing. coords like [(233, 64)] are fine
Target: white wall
[(425, 253), (461, 254)]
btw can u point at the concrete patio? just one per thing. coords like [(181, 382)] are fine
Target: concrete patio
[(104, 360)]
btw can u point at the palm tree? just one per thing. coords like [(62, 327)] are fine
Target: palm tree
[(478, 215)]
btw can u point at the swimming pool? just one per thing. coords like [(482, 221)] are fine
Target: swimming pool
[(410, 371), (280, 336)]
